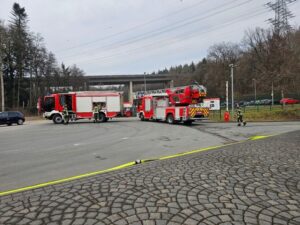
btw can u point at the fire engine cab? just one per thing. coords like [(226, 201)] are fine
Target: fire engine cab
[(180, 104), (80, 105)]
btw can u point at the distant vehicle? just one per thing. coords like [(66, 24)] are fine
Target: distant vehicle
[(252, 102), (12, 117), (258, 102), (266, 102), (223, 104), (243, 103), (276, 101), (289, 101), (127, 109)]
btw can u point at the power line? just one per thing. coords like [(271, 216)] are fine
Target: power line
[(134, 27), (166, 42), (165, 29)]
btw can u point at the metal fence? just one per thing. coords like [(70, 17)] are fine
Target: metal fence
[(257, 110)]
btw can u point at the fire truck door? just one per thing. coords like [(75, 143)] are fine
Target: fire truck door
[(160, 113), (160, 109), (147, 105), (66, 99)]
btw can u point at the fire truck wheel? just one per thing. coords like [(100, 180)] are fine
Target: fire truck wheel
[(170, 119), (102, 117), (57, 119)]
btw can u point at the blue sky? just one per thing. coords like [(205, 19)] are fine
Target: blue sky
[(136, 36)]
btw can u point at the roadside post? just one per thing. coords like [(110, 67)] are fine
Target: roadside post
[(272, 94), (227, 95), (226, 113), (2, 87), (282, 96), (232, 92)]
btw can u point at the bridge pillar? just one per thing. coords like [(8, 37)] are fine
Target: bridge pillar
[(171, 83), (130, 92)]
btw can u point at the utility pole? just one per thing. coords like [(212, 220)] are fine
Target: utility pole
[(232, 93), (226, 95), (272, 94), (282, 97), (2, 87), (254, 82)]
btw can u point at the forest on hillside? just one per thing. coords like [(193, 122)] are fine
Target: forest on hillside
[(29, 69), (263, 58)]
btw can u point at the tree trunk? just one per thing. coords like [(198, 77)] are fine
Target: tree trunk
[(18, 92)]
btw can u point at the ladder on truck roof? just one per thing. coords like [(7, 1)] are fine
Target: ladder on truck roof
[(160, 92), (140, 94)]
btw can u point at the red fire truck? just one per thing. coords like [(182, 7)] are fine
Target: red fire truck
[(80, 105), (127, 109), (180, 104)]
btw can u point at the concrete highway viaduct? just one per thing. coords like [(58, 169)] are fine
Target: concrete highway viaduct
[(163, 80), (130, 81)]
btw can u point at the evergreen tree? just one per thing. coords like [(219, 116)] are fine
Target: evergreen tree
[(19, 37)]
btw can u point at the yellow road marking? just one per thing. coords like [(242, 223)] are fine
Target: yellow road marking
[(66, 179), (124, 166), (195, 151), (260, 137)]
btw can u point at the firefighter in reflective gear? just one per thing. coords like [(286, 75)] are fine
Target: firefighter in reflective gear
[(99, 111), (100, 106), (65, 114), (96, 113), (239, 115)]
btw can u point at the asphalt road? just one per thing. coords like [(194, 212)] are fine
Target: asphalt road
[(248, 183), (41, 151)]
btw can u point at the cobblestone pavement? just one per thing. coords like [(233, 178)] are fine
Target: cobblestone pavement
[(255, 182)]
